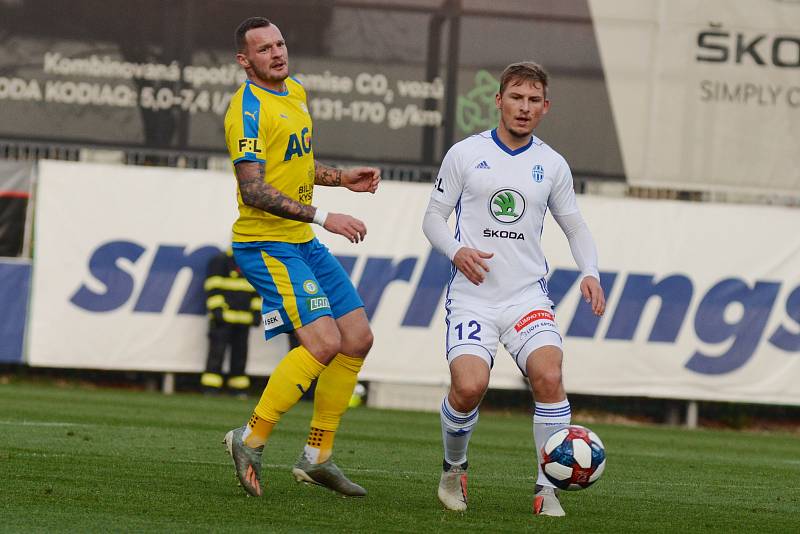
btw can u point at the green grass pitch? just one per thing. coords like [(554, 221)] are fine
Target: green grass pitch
[(77, 459)]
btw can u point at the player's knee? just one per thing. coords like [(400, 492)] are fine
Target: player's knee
[(547, 381), (364, 343), (357, 344), (468, 394), (329, 348), (325, 348)]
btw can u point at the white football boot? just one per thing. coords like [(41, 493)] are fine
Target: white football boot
[(453, 487), (545, 502)]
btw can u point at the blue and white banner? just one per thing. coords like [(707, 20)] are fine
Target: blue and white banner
[(15, 283), (120, 259), (703, 299)]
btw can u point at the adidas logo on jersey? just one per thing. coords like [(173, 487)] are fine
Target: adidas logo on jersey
[(482, 165)]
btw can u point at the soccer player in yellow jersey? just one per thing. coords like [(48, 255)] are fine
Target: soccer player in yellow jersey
[(304, 289)]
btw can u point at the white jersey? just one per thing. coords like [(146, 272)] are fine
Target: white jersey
[(501, 197)]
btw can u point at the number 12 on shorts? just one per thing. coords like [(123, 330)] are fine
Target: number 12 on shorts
[(473, 329)]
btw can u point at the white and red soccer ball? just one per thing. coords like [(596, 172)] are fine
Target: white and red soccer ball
[(573, 458)]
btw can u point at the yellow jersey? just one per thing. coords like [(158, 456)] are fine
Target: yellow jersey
[(273, 128)]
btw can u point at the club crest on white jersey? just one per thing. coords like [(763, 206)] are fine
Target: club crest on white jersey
[(538, 173)]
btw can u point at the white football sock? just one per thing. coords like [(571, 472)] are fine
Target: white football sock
[(456, 430), (547, 419)]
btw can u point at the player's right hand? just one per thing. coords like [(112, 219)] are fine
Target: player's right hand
[(345, 225), (472, 264)]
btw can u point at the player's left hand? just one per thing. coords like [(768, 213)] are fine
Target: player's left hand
[(361, 179), (593, 294), (343, 224)]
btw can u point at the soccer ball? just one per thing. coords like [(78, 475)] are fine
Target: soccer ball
[(573, 458), (358, 396)]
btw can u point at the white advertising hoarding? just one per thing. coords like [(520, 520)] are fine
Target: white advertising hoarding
[(120, 259), (703, 299), (705, 93)]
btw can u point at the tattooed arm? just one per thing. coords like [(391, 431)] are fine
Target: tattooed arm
[(324, 175), (358, 179), (259, 194)]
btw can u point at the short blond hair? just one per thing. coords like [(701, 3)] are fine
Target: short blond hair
[(524, 71)]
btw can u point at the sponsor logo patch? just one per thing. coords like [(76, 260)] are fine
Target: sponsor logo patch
[(249, 144), (503, 234), (535, 315), (507, 206), (272, 320), (318, 303)]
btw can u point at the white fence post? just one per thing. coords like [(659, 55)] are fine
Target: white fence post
[(691, 414), (168, 384)]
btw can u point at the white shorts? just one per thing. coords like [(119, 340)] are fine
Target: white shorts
[(522, 327)]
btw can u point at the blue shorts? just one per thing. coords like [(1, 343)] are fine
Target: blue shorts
[(298, 282)]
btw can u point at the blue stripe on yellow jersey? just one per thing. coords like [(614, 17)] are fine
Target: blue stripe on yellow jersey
[(250, 108), (272, 128)]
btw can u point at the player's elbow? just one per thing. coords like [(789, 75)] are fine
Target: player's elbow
[(576, 231), (428, 225)]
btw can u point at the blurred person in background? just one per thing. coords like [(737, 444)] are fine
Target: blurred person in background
[(501, 183), (233, 306), (268, 131)]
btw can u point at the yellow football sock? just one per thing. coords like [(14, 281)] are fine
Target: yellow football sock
[(257, 432), (290, 379), (319, 445), (334, 389)]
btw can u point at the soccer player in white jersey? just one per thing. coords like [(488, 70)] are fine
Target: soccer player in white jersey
[(501, 183)]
